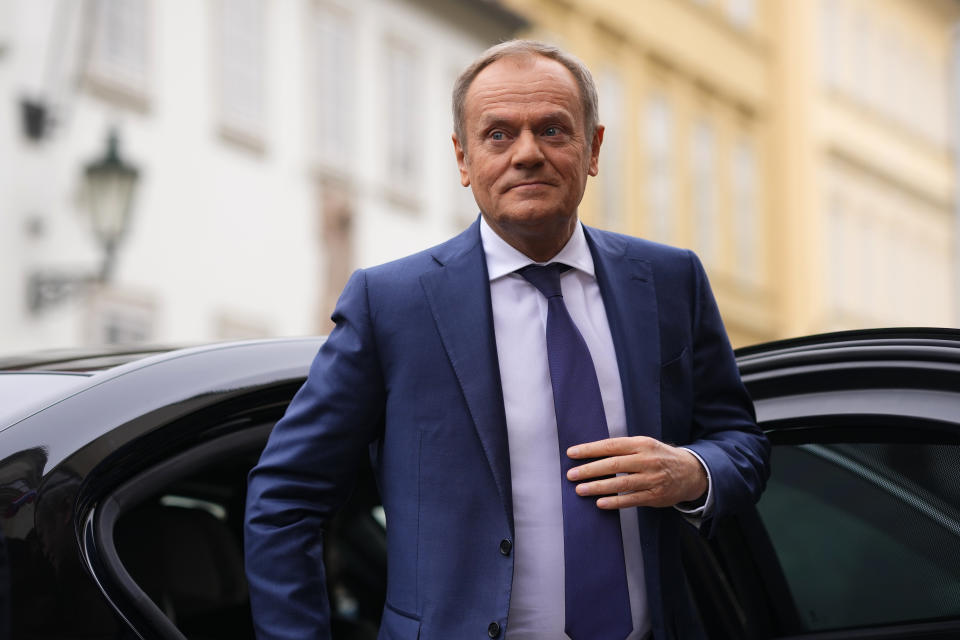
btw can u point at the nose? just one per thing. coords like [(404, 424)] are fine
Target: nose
[(527, 152)]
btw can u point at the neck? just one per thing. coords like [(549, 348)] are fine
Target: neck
[(539, 244)]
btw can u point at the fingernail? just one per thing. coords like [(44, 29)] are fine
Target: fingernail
[(602, 502), (573, 474), (572, 451)]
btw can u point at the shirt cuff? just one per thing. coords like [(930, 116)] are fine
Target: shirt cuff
[(698, 509)]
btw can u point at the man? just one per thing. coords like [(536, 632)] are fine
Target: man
[(498, 400)]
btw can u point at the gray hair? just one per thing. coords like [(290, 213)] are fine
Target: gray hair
[(520, 48)]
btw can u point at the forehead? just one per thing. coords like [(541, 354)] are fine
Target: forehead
[(522, 83)]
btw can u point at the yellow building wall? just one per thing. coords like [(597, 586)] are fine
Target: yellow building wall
[(886, 176), (814, 203)]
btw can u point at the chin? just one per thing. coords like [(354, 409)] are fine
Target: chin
[(536, 216)]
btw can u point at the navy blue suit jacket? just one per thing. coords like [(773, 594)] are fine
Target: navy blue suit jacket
[(410, 374)]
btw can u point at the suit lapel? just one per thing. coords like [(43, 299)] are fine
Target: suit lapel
[(629, 296), (458, 293)]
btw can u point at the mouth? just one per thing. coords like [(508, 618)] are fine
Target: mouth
[(528, 185)]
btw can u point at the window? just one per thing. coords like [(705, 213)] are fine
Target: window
[(611, 152), (864, 532), (179, 530), (862, 44), (335, 208), (401, 115), (889, 77), (877, 65), (831, 49), (119, 57), (746, 220), (333, 62), (836, 274), (6, 27), (658, 133), (241, 68), (873, 259), (703, 170), (899, 276), (743, 13)]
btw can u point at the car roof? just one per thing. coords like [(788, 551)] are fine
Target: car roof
[(81, 360), (152, 374), (837, 339)]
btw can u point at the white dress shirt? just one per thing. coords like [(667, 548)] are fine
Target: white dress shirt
[(519, 322)]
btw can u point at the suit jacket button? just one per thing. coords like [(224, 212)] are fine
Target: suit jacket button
[(505, 547), (493, 630)]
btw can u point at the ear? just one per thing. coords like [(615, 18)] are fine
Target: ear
[(461, 161), (595, 150)]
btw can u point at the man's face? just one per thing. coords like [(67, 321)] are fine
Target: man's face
[(526, 155)]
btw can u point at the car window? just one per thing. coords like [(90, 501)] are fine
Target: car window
[(182, 546), (865, 533)]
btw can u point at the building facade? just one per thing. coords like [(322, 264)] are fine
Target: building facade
[(881, 162), (803, 149), (279, 146)]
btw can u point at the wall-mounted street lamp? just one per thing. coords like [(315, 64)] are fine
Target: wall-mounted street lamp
[(109, 186)]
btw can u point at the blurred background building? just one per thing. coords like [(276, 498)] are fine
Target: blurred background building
[(278, 144), (805, 150)]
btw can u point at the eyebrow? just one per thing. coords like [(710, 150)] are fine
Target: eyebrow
[(557, 116), (487, 122)]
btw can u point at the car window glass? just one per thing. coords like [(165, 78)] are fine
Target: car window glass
[(183, 548), (863, 531)]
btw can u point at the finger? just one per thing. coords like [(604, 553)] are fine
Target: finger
[(607, 447), (607, 486), (623, 501), (645, 461), (606, 467), (654, 497), (647, 480)]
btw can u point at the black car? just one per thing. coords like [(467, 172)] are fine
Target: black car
[(123, 476)]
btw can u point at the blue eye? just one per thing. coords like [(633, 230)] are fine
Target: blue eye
[(551, 131), (497, 135)]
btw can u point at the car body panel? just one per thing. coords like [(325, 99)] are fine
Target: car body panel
[(78, 447)]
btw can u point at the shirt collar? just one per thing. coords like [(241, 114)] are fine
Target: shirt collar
[(503, 259)]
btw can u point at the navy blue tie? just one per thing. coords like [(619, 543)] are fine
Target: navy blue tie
[(596, 597)]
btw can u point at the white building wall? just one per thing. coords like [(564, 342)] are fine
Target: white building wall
[(225, 238)]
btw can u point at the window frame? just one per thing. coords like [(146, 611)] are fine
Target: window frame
[(139, 610), (120, 82)]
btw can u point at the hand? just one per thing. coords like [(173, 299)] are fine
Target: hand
[(657, 475)]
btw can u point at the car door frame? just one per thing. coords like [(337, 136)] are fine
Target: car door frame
[(850, 386)]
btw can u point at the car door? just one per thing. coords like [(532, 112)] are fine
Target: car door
[(858, 532)]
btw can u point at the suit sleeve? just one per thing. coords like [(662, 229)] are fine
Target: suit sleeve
[(725, 433), (306, 473)]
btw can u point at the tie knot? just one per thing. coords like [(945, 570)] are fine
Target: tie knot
[(546, 277)]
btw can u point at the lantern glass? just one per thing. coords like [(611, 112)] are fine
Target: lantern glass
[(110, 186), (110, 196)]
